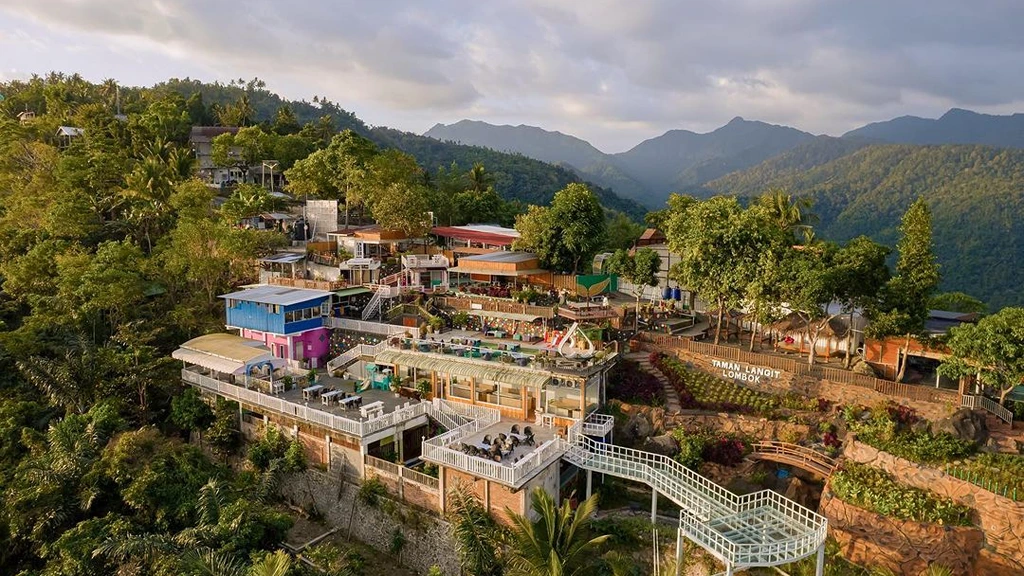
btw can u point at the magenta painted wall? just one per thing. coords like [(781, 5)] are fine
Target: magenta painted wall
[(316, 343)]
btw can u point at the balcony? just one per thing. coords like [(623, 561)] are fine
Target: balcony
[(292, 404), (422, 261), (481, 304)]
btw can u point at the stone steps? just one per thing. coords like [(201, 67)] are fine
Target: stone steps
[(1002, 436), (672, 404)]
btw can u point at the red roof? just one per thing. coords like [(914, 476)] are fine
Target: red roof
[(473, 235)]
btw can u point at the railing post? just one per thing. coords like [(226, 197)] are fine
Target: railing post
[(819, 569), (654, 505)]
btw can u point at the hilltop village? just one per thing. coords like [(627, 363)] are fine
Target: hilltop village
[(337, 362)]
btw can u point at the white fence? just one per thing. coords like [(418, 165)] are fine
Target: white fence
[(354, 353), (306, 413), (363, 326), (973, 401)]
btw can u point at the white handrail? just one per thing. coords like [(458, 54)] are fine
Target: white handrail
[(704, 503), (360, 428), (973, 401), (354, 325)]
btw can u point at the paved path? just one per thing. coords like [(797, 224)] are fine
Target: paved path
[(672, 404)]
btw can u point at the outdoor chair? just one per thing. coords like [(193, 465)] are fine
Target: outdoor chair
[(487, 439), (529, 440), (514, 442), (527, 431), (515, 429)]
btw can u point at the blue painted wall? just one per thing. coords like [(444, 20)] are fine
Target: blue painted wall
[(268, 318)]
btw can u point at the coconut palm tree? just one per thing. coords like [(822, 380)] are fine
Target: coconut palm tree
[(793, 214), (476, 532), (556, 543)]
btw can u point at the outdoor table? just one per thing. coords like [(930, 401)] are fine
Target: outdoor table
[(497, 333), (371, 407), (311, 391), (276, 387), (520, 437), (329, 397), (347, 402)]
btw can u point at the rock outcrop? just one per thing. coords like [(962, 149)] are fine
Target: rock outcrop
[(966, 424)]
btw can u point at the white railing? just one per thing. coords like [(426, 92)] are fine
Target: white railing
[(344, 359), (306, 413), (703, 502), (437, 449), (372, 307), (354, 325), (598, 424), (415, 261), (973, 401)]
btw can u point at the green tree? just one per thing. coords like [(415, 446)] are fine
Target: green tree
[(863, 271), (993, 349), (476, 533), (248, 201), (555, 544), (903, 309), (709, 238), (568, 233), (190, 412), (223, 435), (640, 268), (623, 232), (792, 215), (811, 284), (958, 302)]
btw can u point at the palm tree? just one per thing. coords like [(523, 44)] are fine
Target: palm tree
[(555, 544), (476, 533), (479, 178), (793, 214)]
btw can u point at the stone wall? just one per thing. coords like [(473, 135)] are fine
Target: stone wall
[(693, 420), (904, 546), (815, 388), (428, 540), (1001, 519)]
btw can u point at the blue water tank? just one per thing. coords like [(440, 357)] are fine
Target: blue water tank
[(667, 294), (677, 294)]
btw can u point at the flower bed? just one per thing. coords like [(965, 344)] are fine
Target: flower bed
[(877, 491), (627, 382), (1001, 474), (890, 428), (700, 390), (701, 446)]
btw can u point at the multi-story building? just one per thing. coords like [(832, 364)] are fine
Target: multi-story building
[(288, 321), (497, 417)]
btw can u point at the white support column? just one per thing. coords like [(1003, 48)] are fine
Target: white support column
[(819, 570), (679, 552), (589, 482), (728, 569), (654, 506)]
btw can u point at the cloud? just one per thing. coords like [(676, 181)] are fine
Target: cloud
[(612, 71)]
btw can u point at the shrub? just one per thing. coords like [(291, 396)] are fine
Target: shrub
[(627, 382), (701, 446), (700, 390), (371, 491), (294, 457), (275, 445), (888, 430), (999, 473), (874, 490), (397, 542)]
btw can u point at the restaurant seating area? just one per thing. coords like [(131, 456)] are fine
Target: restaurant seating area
[(504, 442)]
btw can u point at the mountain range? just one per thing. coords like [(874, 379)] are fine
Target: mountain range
[(683, 161)]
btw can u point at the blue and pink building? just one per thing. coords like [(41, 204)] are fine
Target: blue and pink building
[(289, 321)]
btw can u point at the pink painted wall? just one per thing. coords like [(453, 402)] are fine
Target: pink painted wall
[(316, 343)]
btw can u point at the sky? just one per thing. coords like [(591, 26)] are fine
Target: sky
[(608, 71)]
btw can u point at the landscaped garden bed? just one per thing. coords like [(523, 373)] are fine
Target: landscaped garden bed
[(627, 382), (1002, 474), (877, 491), (896, 429), (700, 390)]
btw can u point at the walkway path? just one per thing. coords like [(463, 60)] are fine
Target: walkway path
[(672, 404)]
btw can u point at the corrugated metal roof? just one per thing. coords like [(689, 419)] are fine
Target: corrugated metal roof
[(467, 367), (501, 256), (485, 234), (283, 258), (226, 353), (352, 291), (281, 295)]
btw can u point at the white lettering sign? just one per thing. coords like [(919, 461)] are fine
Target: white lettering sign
[(745, 372)]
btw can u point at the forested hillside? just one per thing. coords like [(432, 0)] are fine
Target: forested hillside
[(957, 126), (976, 194), (516, 177)]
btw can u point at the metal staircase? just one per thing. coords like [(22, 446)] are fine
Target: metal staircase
[(375, 307), (759, 529)]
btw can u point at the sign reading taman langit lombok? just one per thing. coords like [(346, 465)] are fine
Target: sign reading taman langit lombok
[(745, 372)]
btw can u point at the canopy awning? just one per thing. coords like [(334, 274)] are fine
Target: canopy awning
[(345, 292), (466, 367), (226, 353), (490, 272)]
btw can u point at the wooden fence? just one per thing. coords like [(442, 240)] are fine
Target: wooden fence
[(801, 368)]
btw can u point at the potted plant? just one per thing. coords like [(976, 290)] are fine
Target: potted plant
[(423, 330), (436, 324), (424, 388), (288, 381), (311, 377)]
